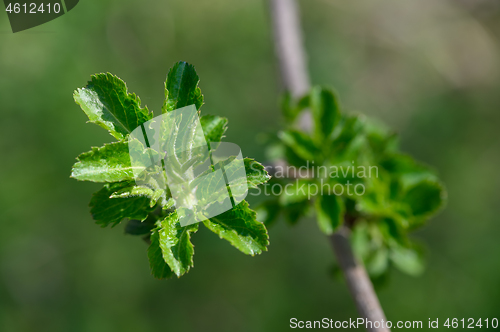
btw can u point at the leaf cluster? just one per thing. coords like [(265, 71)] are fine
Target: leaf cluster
[(350, 171), (149, 207)]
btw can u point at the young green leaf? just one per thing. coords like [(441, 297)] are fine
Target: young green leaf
[(293, 158), (181, 88), (153, 194), (175, 244), (399, 163), (392, 231), (300, 143), (214, 127), (296, 192), (292, 108), (408, 260), (107, 103), (425, 198), (159, 269), (133, 191), (350, 128), (240, 227), (380, 139), (325, 110), (256, 173), (109, 163), (378, 262), (330, 213), (106, 210)]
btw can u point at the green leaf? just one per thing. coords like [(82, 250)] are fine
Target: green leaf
[(211, 188), (240, 227), (380, 139), (291, 108), (408, 260), (106, 210), (425, 198), (182, 140), (295, 199), (133, 191), (361, 240), (293, 158), (330, 213), (378, 262), (154, 195), (256, 173), (325, 111), (398, 163), (392, 231), (107, 103), (296, 192), (159, 269), (300, 143), (181, 88), (109, 163), (240, 180), (350, 127), (214, 127), (175, 244)]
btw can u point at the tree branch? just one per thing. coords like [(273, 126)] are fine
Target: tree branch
[(290, 52), (359, 283), (295, 78)]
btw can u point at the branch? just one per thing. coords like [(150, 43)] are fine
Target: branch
[(359, 283), (291, 55), (295, 78)]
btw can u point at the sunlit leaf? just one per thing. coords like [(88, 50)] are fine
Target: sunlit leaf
[(106, 210), (240, 227), (325, 110), (181, 88), (159, 268), (107, 103), (175, 243), (330, 213)]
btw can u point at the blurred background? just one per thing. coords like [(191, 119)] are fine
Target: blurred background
[(430, 69)]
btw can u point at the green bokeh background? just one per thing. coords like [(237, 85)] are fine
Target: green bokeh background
[(430, 69)]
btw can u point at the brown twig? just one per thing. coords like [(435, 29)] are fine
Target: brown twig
[(295, 78)]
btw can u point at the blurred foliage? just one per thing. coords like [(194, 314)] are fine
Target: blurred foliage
[(349, 170), (429, 69)]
